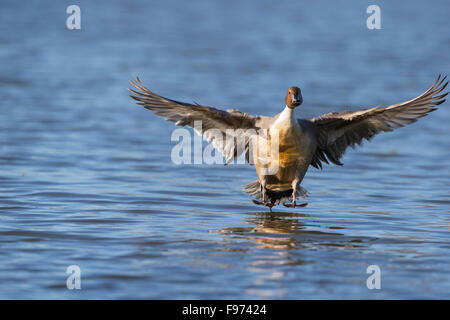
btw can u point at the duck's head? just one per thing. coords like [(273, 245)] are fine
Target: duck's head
[(294, 97)]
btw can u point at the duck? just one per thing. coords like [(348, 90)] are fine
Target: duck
[(298, 143)]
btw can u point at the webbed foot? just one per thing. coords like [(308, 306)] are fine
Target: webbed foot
[(270, 205), (294, 205)]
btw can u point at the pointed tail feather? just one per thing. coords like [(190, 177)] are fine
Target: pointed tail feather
[(254, 189)]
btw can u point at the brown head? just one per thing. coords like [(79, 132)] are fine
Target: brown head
[(294, 97)]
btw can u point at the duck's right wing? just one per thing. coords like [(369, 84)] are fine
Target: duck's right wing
[(215, 123), (337, 131)]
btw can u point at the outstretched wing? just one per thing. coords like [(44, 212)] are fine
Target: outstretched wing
[(337, 131), (184, 114)]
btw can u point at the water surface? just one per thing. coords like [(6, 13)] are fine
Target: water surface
[(86, 177)]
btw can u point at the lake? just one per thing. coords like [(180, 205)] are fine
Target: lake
[(86, 176)]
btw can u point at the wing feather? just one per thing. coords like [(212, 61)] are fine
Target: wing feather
[(184, 114), (338, 131)]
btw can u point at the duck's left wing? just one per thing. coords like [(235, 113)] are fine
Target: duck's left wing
[(337, 131), (185, 114)]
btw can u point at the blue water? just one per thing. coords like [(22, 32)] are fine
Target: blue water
[(86, 177)]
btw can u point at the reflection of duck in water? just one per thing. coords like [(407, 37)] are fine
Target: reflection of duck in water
[(301, 142), (284, 231), (272, 231)]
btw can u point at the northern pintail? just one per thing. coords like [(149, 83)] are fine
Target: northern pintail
[(301, 142)]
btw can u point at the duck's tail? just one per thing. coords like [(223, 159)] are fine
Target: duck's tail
[(254, 189)]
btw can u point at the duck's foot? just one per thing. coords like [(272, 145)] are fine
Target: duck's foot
[(270, 205), (294, 205), (257, 202)]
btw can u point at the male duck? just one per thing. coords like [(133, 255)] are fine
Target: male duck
[(301, 142)]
